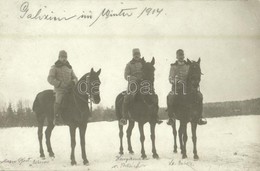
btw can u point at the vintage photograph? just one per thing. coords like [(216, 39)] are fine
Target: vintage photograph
[(130, 85)]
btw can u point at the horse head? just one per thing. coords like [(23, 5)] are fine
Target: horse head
[(94, 83), (148, 70), (89, 85), (194, 74)]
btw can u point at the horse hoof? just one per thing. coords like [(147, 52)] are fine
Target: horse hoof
[(73, 163), (85, 162), (131, 152), (196, 157), (52, 155), (121, 152), (144, 156), (175, 151), (155, 156), (42, 156), (184, 156)]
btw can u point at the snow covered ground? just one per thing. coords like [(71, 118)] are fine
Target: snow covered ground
[(229, 143)]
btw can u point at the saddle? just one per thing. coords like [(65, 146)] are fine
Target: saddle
[(65, 101)]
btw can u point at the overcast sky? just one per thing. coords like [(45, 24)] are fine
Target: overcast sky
[(225, 34)]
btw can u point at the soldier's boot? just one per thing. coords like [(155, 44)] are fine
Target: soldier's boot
[(171, 114), (202, 121), (154, 99), (57, 110), (171, 120), (158, 121), (123, 120)]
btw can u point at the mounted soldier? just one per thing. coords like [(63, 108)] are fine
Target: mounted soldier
[(178, 79), (63, 78), (134, 76)]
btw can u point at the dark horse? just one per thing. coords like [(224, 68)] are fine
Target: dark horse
[(186, 109), (141, 111), (75, 111)]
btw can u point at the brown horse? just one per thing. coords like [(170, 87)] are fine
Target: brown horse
[(141, 111), (75, 112), (187, 108)]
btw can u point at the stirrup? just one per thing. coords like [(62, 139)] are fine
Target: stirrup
[(159, 121), (170, 121), (56, 120), (202, 122), (122, 121)]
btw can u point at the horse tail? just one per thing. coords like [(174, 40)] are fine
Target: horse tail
[(36, 105), (119, 105)]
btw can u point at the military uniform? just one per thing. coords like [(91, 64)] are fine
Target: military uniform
[(178, 78), (62, 77), (134, 75)]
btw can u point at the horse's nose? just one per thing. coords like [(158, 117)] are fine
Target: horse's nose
[(96, 99)]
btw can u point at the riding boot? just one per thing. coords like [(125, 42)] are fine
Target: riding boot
[(202, 121), (171, 119), (56, 113), (158, 121), (123, 120)]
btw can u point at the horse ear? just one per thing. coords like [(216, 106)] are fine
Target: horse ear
[(188, 61), (198, 61), (91, 71), (99, 71), (153, 61)]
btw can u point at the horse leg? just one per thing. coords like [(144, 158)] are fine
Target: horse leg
[(129, 133), (82, 132), (194, 139), (174, 132), (180, 136), (121, 133), (73, 144), (48, 137), (142, 138), (40, 135), (152, 127), (185, 138)]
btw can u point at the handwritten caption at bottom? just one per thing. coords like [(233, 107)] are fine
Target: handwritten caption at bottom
[(128, 162), (23, 160)]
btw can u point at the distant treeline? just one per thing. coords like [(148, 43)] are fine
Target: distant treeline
[(25, 117)]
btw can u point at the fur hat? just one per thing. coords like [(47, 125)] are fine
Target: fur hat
[(62, 53), (136, 50)]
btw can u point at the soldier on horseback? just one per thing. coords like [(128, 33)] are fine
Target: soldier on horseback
[(62, 77), (134, 76), (178, 79)]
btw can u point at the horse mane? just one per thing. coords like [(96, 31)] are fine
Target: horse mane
[(84, 76), (150, 74), (191, 72)]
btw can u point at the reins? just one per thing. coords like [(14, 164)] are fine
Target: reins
[(89, 101)]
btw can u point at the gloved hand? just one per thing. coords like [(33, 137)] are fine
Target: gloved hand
[(133, 78)]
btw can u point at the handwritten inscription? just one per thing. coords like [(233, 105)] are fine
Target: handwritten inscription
[(128, 163), (180, 162), (21, 161), (44, 14)]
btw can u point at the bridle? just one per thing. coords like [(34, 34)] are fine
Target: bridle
[(89, 93)]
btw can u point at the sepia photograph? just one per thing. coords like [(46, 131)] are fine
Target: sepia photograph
[(122, 85)]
